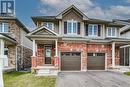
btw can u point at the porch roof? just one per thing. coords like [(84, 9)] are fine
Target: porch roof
[(109, 40), (43, 32), (7, 38)]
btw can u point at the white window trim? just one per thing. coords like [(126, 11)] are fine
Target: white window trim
[(48, 24), (72, 30), (111, 32), (3, 29), (93, 30)]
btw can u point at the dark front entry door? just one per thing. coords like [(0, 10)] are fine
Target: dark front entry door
[(125, 56), (48, 54)]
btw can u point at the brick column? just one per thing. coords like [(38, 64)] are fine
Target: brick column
[(34, 62), (56, 62)]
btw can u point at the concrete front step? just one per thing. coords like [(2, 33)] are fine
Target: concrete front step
[(46, 67), (46, 71), (120, 69)]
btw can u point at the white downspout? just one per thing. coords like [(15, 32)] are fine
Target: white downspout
[(16, 65)]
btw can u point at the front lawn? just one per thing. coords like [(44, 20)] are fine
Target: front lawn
[(22, 79), (127, 73)]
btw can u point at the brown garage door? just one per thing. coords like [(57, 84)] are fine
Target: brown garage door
[(70, 61), (96, 61)]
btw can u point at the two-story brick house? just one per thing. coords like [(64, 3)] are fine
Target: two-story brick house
[(70, 41), (15, 48)]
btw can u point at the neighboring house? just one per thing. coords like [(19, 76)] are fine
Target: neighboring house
[(71, 41), (125, 50), (15, 48)]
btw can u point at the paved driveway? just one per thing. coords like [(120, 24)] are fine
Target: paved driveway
[(92, 79)]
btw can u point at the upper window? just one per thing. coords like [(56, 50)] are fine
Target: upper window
[(92, 30), (4, 27), (71, 27), (111, 31), (49, 25)]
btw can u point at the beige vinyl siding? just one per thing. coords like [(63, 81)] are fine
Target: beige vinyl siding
[(24, 40), (126, 35)]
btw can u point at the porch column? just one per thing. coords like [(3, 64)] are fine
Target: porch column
[(60, 27), (113, 54), (34, 48), (56, 48), (1, 61), (1, 47)]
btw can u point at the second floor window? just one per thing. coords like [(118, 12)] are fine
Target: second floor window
[(72, 27), (111, 31), (49, 25), (4, 27), (92, 30)]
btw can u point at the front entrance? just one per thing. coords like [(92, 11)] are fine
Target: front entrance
[(71, 61), (96, 61), (48, 54), (125, 56)]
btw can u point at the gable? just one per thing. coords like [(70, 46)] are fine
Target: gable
[(72, 15), (72, 7), (43, 32)]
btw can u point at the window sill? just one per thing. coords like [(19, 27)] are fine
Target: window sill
[(112, 36), (72, 34), (93, 36), (5, 32)]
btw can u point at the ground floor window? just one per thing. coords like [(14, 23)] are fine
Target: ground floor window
[(125, 56), (6, 51)]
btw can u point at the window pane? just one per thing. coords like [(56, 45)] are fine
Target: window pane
[(6, 27), (109, 31), (74, 27), (5, 51), (50, 25), (90, 29), (45, 24), (95, 30), (69, 27), (113, 31), (0, 27)]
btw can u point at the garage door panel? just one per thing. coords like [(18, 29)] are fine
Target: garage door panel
[(70, 61), (96, 61)]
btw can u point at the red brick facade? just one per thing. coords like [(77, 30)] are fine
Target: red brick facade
[(84, 48)]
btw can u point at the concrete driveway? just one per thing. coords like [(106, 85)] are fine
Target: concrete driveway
[(92, 79)]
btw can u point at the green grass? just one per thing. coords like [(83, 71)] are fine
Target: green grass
[(127, 73), (22, 79)]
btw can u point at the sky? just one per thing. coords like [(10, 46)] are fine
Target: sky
[(99, 9)]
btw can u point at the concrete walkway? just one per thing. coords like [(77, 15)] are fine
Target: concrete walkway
[(92, 79)]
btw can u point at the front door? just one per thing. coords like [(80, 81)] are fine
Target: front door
[(48, 54)]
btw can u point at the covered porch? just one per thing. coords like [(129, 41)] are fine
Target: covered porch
[(7, 52), (45, 58), (118, 59), (45, 53)]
